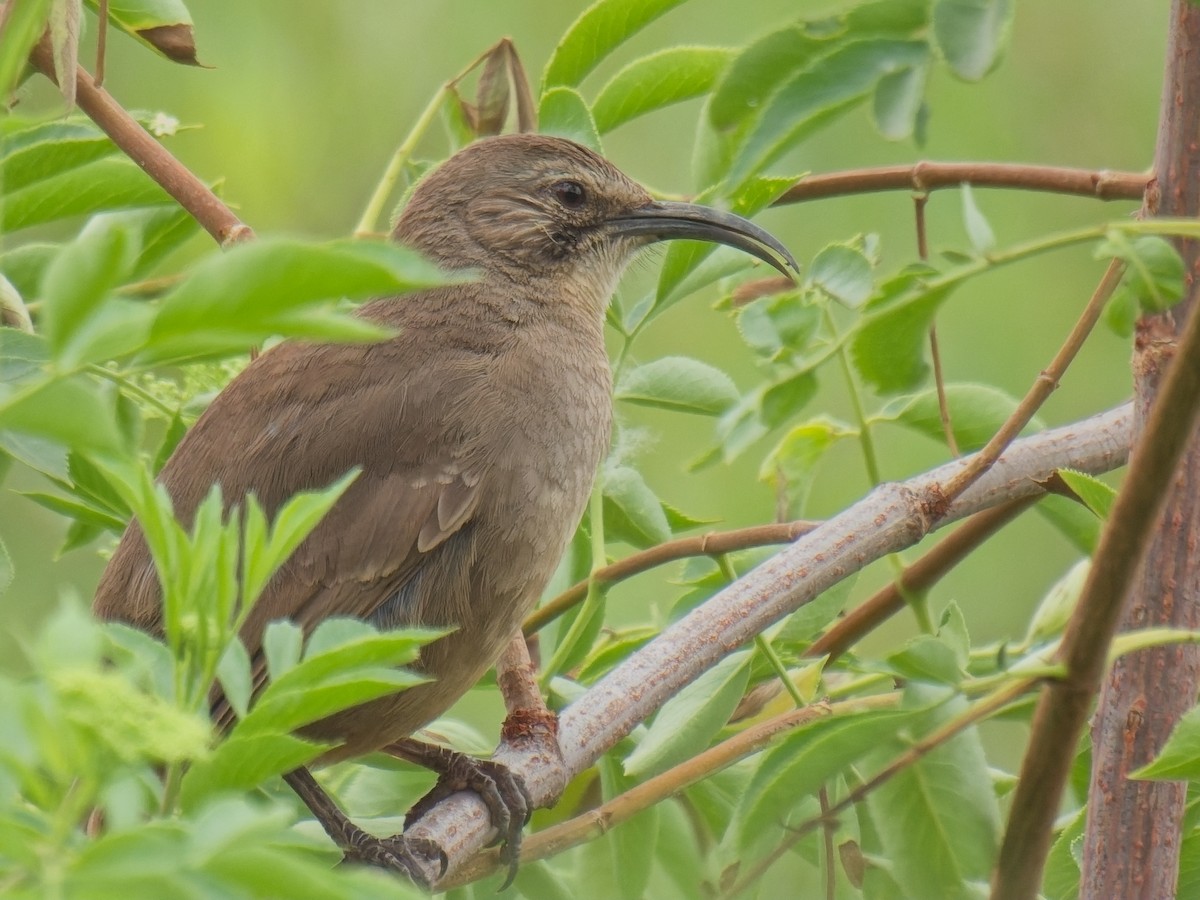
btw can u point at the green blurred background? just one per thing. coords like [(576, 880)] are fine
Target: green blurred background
[(305, 101)]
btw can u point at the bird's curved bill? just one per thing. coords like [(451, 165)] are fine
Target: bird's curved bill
[(665, 220)]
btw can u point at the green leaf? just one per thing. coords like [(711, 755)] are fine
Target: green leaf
[(286, 711), (70, 411), (899, 101), (1077, 524), (780, 324), (78, 282), (1096, 495), (242, 762), (601, 28), (889, 349), (45, 149), (564, 112), (81, 511), (1053, 613), (161, 229), (679, 383), (929, 659), (1180, 758), (234, 673), (764, 408), (293, 523), (971, 34), (619, 865), (803, 761), (661, 79), (938, 818), (282, 643), (632, 512), (801, 628), (6, 569), (983, 239), (758, 70), (24, 25), (275, 286), (689, 721), (815, 97), (976, 413), (791, 466), (1154, 274), (24, 265), (115, 183), (844, 273), (1061, 878), (163, 25)]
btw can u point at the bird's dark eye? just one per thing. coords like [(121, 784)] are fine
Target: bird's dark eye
[(570, 194)]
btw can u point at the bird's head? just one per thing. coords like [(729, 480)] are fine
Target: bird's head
[(529, 207)]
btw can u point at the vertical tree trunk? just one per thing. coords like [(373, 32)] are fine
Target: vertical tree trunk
[(1131, 846)]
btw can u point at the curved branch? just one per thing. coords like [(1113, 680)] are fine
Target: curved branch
[(710, 544), (139, 145), (924, 177), (890, 518)]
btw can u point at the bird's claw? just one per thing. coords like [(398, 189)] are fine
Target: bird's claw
[(502, 792), (405, 855)]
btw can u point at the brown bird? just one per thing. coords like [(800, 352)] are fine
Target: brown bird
[(478, 431)]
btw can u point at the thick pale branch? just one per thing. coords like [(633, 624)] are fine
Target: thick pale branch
[(890, 518), (929, 176), (139, 145), (711, 544)]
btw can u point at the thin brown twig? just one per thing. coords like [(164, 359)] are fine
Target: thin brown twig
[(139, 145), (1045, 384), (977, 712), (829, 827), (923, 177), (607, 816), (711, 544), (101, 42)]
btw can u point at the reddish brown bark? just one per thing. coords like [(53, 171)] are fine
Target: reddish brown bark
[(1131, 845)]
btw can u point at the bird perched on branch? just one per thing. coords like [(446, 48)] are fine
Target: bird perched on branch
[(478, 430)]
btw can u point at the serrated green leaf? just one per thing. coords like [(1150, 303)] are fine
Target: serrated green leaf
[(275, 286), (689, 721), (661, 79), (889, 349), (78, 282), (564, 112), (927, 658), (115, 183), (898, 101), (829, 87), (44, 149), (1096, 495), (282, 643), (791, 466), (1077, 524), (941, 808), (242, 762), (781, 323), (971, 34), (599, 30), (1154, 274), (844, 273), (679, 383), (758, 70), (632, 511), (976, 413), (1180, 757), (71, 411)]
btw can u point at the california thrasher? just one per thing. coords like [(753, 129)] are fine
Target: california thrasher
[(478, 430)]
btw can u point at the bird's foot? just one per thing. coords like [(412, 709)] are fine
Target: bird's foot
[(501, 790), (405, 855)]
